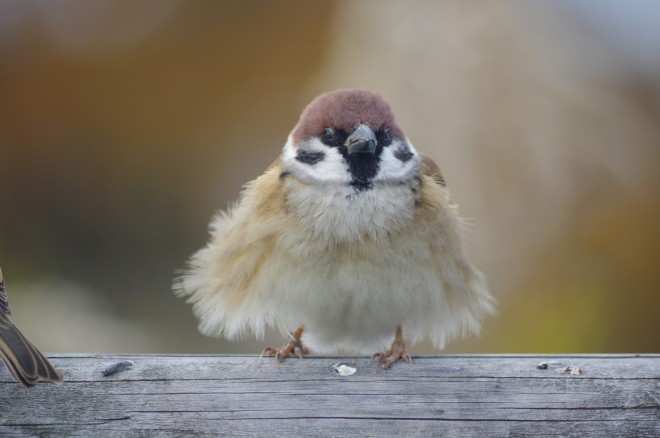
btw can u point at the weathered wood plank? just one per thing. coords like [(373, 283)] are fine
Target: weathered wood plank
[(617, 395)]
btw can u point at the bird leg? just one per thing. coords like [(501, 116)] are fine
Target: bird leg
[(293, 345), (397, 351)]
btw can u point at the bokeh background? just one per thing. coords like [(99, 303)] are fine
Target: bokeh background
[(126, 124)]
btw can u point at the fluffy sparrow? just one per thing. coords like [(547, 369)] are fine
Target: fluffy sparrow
[(27, 364), (348, 242)]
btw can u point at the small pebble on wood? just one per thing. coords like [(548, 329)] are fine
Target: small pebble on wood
[(117, 367), (343, 369)]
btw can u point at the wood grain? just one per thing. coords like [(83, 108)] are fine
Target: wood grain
[(467, 396)]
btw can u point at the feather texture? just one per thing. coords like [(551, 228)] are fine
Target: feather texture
[(349, 268), (25, 363)]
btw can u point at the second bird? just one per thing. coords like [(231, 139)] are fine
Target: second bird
[(26, 364)]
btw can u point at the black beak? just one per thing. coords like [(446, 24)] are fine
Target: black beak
[(361, 141)]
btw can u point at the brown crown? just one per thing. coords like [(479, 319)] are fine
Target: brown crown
[(345, 109)]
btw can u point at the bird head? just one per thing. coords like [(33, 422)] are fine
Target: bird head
[(349, 137)]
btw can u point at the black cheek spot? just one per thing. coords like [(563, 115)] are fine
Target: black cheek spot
[(403, 154), (284, 174), (309, 157)]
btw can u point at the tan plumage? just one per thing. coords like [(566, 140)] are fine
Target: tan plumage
[(27, 364), (350, 246)]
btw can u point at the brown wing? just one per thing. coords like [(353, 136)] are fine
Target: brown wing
[(429, 168), (27, 364), (4, 302)]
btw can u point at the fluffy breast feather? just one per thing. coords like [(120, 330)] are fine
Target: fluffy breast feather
[(349, 269)]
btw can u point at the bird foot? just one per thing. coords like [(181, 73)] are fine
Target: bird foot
[(397, 351), (293, 345)]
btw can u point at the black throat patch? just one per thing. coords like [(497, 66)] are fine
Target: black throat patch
[(363, 167)]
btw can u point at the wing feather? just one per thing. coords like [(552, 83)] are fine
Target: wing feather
[(429, 168), (27, 364)]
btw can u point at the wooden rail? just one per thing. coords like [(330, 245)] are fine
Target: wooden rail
[(443, 395)]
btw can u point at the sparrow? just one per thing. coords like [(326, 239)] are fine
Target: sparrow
[(27, 364), (347, 243)]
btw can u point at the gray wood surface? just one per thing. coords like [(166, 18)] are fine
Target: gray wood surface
[(466, 396)]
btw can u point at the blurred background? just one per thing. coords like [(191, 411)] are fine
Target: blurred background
[(126, 124)]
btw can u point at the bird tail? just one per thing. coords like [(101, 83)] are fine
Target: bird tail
[(27, 364)]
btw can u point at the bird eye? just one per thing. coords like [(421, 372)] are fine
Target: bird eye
[(329, 137), (384, 137)]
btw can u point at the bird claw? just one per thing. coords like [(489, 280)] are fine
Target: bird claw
[(396, 352), (389, 357), (293, 345)]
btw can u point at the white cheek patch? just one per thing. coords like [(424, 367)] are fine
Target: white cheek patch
[(393, 169), (331, 169)]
